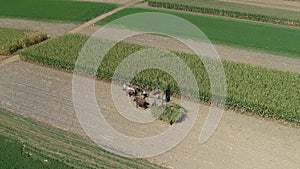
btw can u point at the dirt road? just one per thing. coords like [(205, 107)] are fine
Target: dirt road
[(239, 142)]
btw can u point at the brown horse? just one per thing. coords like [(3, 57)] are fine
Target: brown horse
[(141, 102)]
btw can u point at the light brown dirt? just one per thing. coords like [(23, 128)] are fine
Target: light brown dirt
[(9, 60), (280, 4), (52, 29), (239, 142)]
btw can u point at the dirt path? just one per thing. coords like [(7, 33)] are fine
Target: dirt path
[(239, 142), (9, 60), (99, 18), (52, 29), (280, 4)]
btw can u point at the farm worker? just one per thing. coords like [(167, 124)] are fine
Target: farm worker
[(145, 94), (168, 94)]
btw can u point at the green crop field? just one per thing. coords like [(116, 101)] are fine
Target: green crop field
[(29, 144), (267, 92), (230, 9), (250, 35), (14, 154), (53, 10), (13, 39)]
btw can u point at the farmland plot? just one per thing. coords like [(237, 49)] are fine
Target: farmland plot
[(53, 10), (35, 145), (234, 10), (278, 40), (255, 89)]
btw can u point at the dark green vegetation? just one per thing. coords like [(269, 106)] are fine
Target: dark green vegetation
[(267, 92), (53, 10), (13, 39), (27, 144), (172, 113), (14, 154), (234, 10), (255, 36)]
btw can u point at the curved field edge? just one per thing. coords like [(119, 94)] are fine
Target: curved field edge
[(54, 10), (40, 142), (14, 39), (274, 39), (233, 10), (269, 93)]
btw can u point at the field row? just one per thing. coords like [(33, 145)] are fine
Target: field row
[(29, 144), (255, 89), (268, 38), (234, 10), (13, 39)]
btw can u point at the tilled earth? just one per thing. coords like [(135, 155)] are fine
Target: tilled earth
[(240, 141)]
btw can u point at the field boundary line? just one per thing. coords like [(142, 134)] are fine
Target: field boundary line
[(101, 17), (9, 60)]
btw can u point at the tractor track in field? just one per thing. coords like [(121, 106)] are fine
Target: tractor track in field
[(240, 141)]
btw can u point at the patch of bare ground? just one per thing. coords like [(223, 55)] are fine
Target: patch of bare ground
[(280, 4), (240, 141), (51, 28)]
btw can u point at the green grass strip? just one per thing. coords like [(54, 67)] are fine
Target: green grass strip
[(53, 10), (269, 38), (62, 149), (267, 92), (14, 155)]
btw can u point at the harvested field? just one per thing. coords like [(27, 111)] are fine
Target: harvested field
[(239, 142)]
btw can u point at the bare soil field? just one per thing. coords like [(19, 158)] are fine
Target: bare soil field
[(280, 4), (240, 141)]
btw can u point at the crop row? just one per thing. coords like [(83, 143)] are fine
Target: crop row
[(28, 144), (226, 12), (267, 92), (14, 39)]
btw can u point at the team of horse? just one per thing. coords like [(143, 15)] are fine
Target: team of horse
[(140, 95)]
